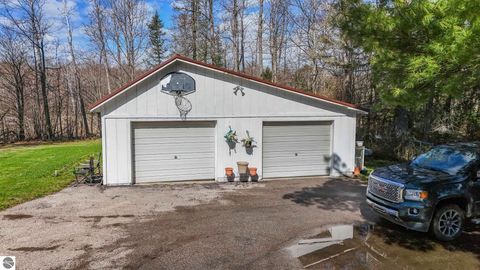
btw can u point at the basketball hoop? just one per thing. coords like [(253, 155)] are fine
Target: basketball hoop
[(178, 84), (184, 105)]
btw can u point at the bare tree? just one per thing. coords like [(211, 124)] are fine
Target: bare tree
[(27, 19), (13, 54), (97, 33), (129, 33), (211, 28), (66, 12), (260, 39), (277, 33)]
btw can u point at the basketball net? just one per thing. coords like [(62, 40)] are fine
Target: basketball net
[(184, 105)]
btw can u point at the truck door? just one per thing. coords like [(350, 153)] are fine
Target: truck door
[(476, 190)]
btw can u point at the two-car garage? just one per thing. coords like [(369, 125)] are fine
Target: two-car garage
[(171, 124), (179, 151)]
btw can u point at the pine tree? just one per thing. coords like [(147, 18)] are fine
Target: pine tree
[(157, 40)]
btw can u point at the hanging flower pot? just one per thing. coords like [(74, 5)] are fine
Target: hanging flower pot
[(231, 136), (248, 141)]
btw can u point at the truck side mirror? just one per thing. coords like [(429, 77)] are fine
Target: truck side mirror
[(412, 160)]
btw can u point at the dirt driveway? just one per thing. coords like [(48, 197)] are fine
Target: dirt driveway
[(193, 226)]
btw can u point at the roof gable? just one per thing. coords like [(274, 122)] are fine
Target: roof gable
[(187, 60)]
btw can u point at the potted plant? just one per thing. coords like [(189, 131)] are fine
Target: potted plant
[(229, 171), (253, 174), (242, 167), (248, 141), (242, 170), (253, 171), (231, 136)]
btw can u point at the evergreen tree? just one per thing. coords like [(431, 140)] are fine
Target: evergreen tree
[(157, 40), (267, 74), (422, 50)]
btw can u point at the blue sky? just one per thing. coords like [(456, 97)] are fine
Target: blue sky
[(79, 9), (79, 17), (164, 8)]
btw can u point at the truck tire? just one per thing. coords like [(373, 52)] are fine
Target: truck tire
[(447, 224)]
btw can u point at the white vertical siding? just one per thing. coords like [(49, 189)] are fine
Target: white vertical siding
[(227, 157), (214, 100), (118, 152)]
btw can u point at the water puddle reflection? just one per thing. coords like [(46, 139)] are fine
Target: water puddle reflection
[(375, 247)]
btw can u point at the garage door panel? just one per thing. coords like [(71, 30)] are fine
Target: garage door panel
[(280, 133), (172, 148), (170, 164), (153, 176), (172, 140), (284, 139), (168, 156), (178, 171), (272, 162), (299, 147), (296, 149), (174, 151), (310, 154), (173, 133), (296, 173)]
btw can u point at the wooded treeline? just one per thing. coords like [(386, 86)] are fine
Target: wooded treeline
[(412, 64)]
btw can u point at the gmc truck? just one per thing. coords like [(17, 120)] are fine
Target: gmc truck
[(437, 191)]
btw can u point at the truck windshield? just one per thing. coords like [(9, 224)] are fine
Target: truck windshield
[(444, 159)]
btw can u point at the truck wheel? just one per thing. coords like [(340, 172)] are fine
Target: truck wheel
[(448, 222)]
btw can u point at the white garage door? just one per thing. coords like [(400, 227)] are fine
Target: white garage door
[(296, 148), (173, 151)]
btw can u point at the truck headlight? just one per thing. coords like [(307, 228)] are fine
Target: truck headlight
[(415, 195)]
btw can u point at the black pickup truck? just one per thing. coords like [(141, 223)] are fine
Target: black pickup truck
[(437, 191)]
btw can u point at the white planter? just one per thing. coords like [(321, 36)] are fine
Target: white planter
[(359, 143)]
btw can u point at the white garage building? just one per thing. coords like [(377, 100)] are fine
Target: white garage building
[(149, 135)]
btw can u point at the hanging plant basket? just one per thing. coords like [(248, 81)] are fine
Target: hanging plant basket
[(248, 142), (231, 136)]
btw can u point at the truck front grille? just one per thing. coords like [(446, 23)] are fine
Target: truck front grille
[(385, 189)]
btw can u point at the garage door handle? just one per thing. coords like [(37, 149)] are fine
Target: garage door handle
[(175, 157), (296, 154)]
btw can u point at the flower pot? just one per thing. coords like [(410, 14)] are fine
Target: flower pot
[(359, 143), (253, 171), (242, 167), (229, 171)]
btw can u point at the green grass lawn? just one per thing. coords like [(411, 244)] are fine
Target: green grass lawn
[(28, 172)]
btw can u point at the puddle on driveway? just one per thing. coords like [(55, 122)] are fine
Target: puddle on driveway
[(379, 247)]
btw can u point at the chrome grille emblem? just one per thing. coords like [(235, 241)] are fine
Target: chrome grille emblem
[(385, 189)]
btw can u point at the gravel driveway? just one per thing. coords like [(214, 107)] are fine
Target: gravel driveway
[(182, 226)]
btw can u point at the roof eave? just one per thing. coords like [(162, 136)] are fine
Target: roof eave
[(100, 103)]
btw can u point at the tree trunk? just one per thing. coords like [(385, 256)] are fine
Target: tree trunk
[(211, 26), (77, 74), (43, 82), (235, 38), (194, 28), (260, 39)]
